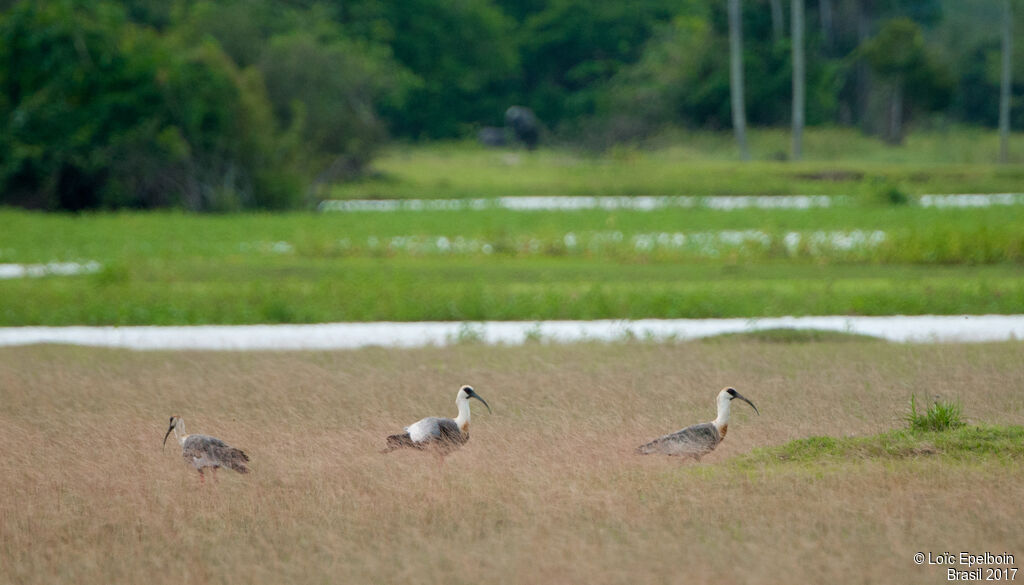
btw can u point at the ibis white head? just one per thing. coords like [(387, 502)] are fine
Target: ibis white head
[(178, 426), (726, 396), (462, 403)]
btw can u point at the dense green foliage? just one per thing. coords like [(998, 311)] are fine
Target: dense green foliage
[(462, 55), (239, 104), (103, 112)]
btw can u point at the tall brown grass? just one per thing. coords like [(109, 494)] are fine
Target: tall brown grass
[(546, 491)]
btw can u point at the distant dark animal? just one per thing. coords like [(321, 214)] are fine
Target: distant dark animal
[(202, 451), (443, 435), (492, 136), (697, 440), (524, 123)]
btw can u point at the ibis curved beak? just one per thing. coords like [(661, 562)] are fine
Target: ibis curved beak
[(743, 398), (167, 435), (473, 394)]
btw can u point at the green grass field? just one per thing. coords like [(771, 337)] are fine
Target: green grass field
[(287, 291), (170, 268), (836, 161), (864, 255)]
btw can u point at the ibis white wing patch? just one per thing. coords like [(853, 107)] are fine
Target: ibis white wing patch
[(424, 429)]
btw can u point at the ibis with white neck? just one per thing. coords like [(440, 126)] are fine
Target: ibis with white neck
[(204, 451), (443, 434), (700, 439)]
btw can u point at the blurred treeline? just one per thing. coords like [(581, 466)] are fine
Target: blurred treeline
[(241, 104)]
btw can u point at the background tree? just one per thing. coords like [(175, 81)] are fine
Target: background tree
[(462, 55), (573, 48), (739, 116), (898, 57), (327, 92), (799, 77), (825, 12), (1004, 87), (681, 80)]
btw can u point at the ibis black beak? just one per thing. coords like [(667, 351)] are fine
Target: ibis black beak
[(473, 394), (741, 397), (167, 435)]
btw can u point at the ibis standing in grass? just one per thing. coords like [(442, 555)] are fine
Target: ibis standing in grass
[(700, 439), (443, 434), (202, 451)]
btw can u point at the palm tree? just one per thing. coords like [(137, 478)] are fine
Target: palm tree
[(797, 32), (739, 117), (1004, 88)]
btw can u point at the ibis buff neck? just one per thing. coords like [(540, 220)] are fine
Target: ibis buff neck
[(463, 419), (179, 432), (723, 410)]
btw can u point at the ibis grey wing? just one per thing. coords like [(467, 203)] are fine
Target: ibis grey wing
[(207, 451), (450, 431), (231, 458), (693, 440), (199, 445)]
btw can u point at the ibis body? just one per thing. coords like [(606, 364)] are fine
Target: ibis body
[(204, 451), (697, 440), (443, 434)]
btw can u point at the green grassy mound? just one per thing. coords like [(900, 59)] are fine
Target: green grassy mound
[(966, 444)]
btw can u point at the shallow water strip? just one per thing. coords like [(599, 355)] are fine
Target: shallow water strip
[(648, 202), (8, 271), (910, 329)]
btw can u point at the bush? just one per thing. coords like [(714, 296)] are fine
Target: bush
[(940, 416), (888, 193)]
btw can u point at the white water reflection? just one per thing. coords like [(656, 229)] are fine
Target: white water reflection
[(576, 203), (50, 269), (648, 203), (699, 243), (972, 200), (917, 329)]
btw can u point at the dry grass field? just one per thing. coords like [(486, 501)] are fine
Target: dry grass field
[(547, 491)]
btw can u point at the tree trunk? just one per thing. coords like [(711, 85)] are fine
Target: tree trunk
[(862, 79), (1004, 87), (739, 116), (777, 20), (797, 32), (894, 132), (827, 28)]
